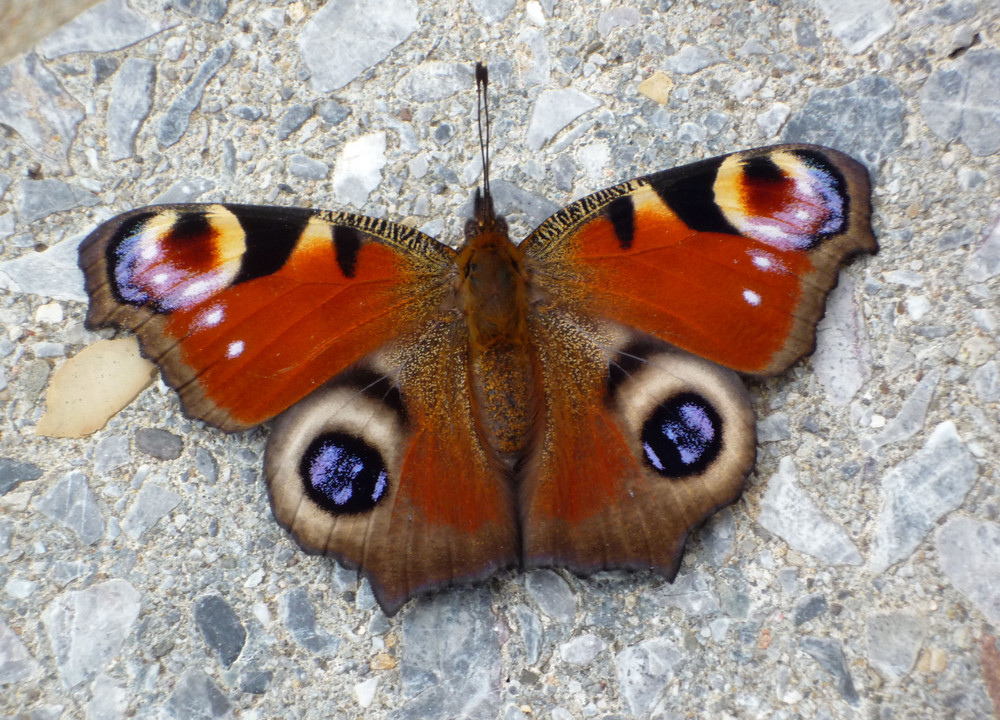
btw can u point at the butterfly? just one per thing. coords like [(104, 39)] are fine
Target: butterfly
[(441, 414)]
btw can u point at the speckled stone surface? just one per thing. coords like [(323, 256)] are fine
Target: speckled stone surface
[(141, 572)]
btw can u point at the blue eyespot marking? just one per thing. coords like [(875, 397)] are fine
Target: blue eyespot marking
[(683, 436), (343, 474)]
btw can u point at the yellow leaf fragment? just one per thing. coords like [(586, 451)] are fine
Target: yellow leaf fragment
[(93, 386), (657, 87)]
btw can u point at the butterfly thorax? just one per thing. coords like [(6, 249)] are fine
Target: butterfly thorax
[(493, 296)]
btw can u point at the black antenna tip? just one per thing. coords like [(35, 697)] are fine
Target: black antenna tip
[(482, 76)]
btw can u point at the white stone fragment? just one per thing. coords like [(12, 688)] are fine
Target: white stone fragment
[(554, 110), (109, 25), (581, 649), (911, 416), (152, 503), (969, 554), (858, 23), (109, 701), (16, 663), (842, 360), (359, 169), (691, 59), (772, 120), (49, 314), (365, 691), (345, 38), (917, 306), (788, 512), (431, 81), (643, 672), (87, 628), (894, 642), (690, 592), (553, 595), (918, 491), (52, 273), (985, 261)]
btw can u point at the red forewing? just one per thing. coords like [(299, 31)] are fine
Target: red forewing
[(729, 258), (248, 309)]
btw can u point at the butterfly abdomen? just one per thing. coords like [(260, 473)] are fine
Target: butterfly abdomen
[(493, 297)]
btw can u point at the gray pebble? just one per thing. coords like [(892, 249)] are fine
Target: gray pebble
[(807, 608), (969, 554), (256, 682), (307, 168), (644, 670), (151, 504), (830, 656), (299, 617), (18, 665), (863, 118), (894, 642), (14, 472), (220, 628), (205, 464), (492, 11), (110, 452), (332, 112), (71, 503), (184, 190), (36, 199), (129, 104), (161, 444), (553, 595), (34, 103), (293, 118), (87, 628), (104, 67), (858, 23), (211, 10), (110, 25), (451, 657), (246, 112), (174, 122), (197, 697), (963, 101)]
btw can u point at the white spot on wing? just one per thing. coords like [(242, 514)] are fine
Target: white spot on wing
[(210, 317), (763, 262), (235, 349), (214, 316), (197, 288), (751, 297)]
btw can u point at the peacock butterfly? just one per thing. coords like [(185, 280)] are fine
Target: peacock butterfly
[(442, 414)]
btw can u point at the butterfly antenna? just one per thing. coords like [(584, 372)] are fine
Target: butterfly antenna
[(482, 80)]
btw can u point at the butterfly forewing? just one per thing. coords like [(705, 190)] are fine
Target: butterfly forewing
[(248, 309), (729, 258)]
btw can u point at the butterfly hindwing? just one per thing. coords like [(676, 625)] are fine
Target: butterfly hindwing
[(642, 442), (729, 258), (383, 469), (247, 309)]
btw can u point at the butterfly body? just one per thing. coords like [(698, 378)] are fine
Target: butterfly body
[(568, 400)]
